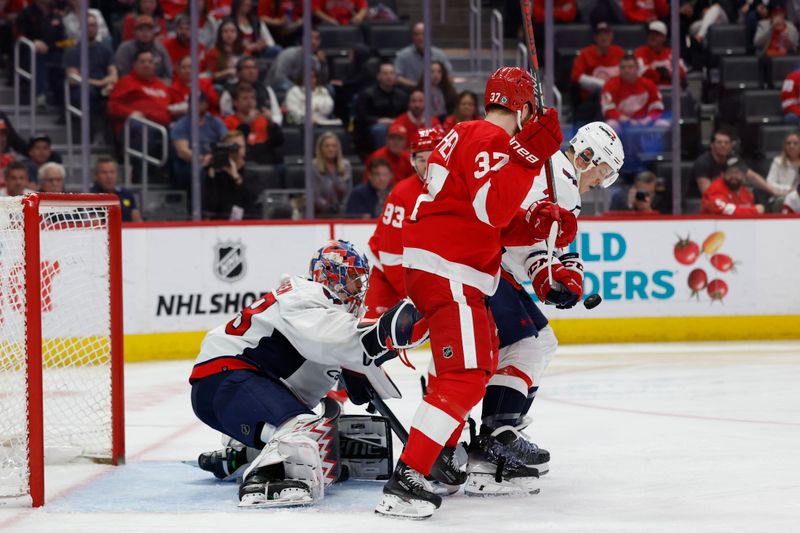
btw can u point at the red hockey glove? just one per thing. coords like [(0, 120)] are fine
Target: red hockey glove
[(542, 214), (566, 290), (540, 138)]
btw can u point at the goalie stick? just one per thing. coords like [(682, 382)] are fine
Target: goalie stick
[(377, 404)]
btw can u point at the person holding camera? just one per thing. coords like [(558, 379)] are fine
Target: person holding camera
[(224, 196), (641, 197)]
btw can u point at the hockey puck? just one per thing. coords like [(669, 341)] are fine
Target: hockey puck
[(592, 301)]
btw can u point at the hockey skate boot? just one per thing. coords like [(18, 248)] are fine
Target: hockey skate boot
[(446, 475), (223, 463), (408, 494), (265, 487), (495, 466)]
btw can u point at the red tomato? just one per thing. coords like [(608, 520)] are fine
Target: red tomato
[(717, 289), (722, 262), (686, 251), (713, 242), (698, 280)]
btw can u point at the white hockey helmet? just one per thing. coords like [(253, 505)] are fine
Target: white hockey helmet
[(597, 143)]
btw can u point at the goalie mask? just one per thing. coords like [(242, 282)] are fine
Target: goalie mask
[(597, 143), (343, 270)]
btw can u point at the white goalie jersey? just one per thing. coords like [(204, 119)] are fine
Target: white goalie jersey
[(298, 334), (515, 258)]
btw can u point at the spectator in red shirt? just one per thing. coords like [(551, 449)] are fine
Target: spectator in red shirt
[(775, 36), (655, 59), (466, 109), (629, 100), (395, 153), (728, 195), (563, 11), (221, 60), (414, 119), (592, 67), (284, 18), (181, 88), (639, 11), (140, 93), (791, 204), (340, 12), (790, 98), (180, 46), (264, 137), (144, 7), (173, 8)]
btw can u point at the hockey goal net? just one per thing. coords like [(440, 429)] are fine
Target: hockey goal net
[(60, 336)]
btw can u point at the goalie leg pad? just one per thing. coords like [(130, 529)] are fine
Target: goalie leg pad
[(366, 446)]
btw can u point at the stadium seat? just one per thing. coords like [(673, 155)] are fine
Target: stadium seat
[(292, 140), (295, 176), (780, 67), (387, 39), (689, 110), (727, 39), (260, 177), (572, 36), (564, 58), (647, 143), (770, 138), (739, 72), (630, 36), (341, 68), (762, 106), (663, 169), (338, 39)]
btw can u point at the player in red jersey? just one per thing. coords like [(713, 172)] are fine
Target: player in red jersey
[(386, 280), (475, 182)]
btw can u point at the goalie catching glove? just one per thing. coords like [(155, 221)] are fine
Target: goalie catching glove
[(541, 215), (567, 287), (400, 328)]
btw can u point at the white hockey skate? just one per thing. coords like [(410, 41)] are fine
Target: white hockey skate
[(495, 468)]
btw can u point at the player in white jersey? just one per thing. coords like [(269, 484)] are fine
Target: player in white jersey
[(527, 342), (259, 377)]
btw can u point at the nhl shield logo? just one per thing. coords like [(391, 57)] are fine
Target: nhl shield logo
[(447, 352), (229, 264)]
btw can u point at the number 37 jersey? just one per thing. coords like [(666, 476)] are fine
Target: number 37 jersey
[(298, 334), (473, 190)]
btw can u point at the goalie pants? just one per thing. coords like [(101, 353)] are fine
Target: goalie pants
[(239, 403), (464, 347)]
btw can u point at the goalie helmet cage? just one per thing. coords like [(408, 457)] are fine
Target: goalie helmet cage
[(61, 365)]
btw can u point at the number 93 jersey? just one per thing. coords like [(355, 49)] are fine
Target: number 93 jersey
[(298, 334), (473, 190)]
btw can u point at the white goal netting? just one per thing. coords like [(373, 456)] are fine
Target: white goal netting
[(74, 301)]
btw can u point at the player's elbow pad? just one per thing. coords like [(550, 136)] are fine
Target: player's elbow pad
[(400, 328)]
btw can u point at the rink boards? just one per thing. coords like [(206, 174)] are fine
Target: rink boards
[(736, 279)]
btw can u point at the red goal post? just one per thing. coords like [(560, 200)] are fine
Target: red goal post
[(61, 353)]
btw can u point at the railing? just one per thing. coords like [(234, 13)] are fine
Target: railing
[(143, 154), (69, 111), (29, 75), (475, 50), (496, 39), (521, 56)]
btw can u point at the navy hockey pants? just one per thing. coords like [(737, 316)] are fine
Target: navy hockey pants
[(517, 316)]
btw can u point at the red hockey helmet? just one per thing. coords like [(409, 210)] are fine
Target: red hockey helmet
[(427, 139), (510, 87)]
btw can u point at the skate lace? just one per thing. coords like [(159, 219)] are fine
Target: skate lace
[(527, 449), (497, 452), (415, 480)]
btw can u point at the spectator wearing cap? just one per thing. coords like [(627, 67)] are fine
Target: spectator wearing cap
[(40, 152), (140, 93), (408, 62), (102, 70), (655, 59), (340, 12), (644, 11), (16, 180), (321, 104), (106, 176), (394, 153), (594, 65), (144, 40), (179, 46), (791, 204), (211, 130), (51, 177), (631, 100), (181, 88), (366, 199), (376, 108), (264, 138), (40, 23), (711, 165), (289, 64), (266, 100), (149, 8), (414, 119), (727, 195), (776, 36)]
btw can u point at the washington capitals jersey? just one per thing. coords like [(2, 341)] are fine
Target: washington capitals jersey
[(515, 258), (299, 334)]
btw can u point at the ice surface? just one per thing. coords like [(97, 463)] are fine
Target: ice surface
[(644, 438)]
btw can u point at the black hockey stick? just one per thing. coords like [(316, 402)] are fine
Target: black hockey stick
[(377, 404)]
